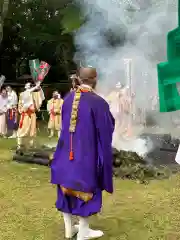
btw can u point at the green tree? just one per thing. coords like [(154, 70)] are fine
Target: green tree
[(3, 11), (44, 31)]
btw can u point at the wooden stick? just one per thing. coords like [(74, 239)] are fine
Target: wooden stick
[(128, 63)]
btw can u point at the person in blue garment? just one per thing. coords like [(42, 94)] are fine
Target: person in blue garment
[(82, 164)]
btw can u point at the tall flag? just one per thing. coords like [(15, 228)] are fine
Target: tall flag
[(169, 72), (34, 67), (43, 70), (39, 70)]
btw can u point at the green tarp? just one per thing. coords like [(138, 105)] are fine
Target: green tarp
[(168, 77), (169, 73)]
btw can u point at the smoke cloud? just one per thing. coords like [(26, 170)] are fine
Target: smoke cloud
[(126, 29)]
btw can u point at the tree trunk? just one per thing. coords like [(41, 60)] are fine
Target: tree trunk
[(3, 11), (65, 62)]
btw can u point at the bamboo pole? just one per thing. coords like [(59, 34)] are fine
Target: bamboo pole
[(128, 64)]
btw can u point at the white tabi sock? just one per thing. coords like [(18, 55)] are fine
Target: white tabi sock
[(14, 134), (59, 133), (70, 230), (51, 133), (19, 142), (85, 232), (31, 143)]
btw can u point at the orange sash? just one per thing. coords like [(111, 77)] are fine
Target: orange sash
[(11, 113), (29, 112), (52, 112)]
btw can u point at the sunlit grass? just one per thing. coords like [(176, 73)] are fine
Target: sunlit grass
[(134, 212)]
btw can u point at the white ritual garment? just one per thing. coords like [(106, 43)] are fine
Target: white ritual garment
[(27, 99), (12, 99), (3, 104), (177, 158)]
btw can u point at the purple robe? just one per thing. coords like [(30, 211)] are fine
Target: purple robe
[(12, 119), (91, 168)]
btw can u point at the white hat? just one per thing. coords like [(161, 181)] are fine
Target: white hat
[(27, 85), (118, 85)]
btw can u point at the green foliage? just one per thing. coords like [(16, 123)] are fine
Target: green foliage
[(44, 21), (72, 18), (4, 4), (129, 165), (44, 33)]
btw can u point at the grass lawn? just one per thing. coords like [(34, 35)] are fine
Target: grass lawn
[(134, 212)]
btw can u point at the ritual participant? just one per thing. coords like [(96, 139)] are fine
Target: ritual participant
[(82, 164), (30, 102), (3, 111), (125, 102), (54, 107), (75, 82), (115, 103), (12, 111), (154, 103)]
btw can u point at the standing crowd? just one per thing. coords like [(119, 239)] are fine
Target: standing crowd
[(18, 115), (8, 112)]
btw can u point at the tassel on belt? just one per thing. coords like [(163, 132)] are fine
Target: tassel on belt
[(11, 113)]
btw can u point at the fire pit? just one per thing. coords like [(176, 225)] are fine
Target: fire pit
[(159, 163)]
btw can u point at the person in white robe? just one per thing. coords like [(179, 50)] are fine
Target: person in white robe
[(12, 111), (30, 102), (120, 102), (3, 111)]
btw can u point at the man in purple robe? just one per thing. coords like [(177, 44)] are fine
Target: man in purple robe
[(82, 164)]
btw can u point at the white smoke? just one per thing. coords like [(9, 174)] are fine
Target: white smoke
[(138, 145), (142, 27)]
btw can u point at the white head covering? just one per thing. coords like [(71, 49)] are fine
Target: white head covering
[(27, 85), (119, 85), (2, 79)]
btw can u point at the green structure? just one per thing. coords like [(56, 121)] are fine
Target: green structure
[(169, 72)]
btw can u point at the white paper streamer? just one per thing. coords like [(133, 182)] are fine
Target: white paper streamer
[(2, 79)]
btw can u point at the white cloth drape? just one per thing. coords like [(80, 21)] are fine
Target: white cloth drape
[(12, 99), (177, 158), (3, 110)]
